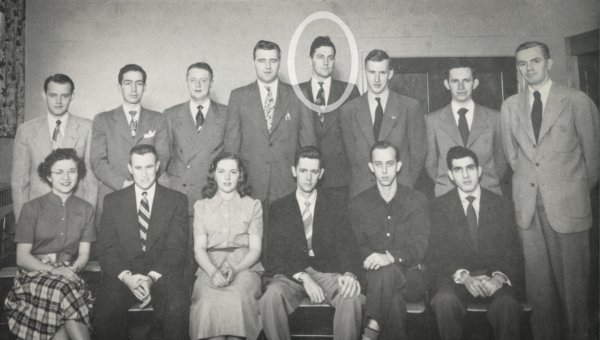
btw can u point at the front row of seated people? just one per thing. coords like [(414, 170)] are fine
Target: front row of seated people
[(368, 253)]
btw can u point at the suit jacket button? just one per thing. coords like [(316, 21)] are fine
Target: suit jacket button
[(189, 166), (532, 185), (184, 185), (537, 164), (270, 144)]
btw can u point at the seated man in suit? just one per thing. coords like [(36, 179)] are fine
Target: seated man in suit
[(36, 138), (325, 91), (311, 254), (141, 244), (466, 123), (474, 252), (391, 225)]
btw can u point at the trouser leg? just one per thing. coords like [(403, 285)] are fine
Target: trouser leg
[(504, 314), (280, 299)]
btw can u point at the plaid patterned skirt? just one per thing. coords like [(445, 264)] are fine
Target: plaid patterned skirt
[(41, 302)]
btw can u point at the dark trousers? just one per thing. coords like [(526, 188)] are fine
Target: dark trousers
[(388, 289), (169, 299), (450, 305)]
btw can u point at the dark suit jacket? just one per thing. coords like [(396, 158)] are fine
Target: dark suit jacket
[(329, 135), (451, 248), (268, 157), (192, 151), (333, 242), (403, 125), (119, 246)]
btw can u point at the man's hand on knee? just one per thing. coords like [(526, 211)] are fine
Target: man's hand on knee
[(313, 290)]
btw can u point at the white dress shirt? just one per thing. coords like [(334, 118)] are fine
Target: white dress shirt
[(263, 91), (194, 110), (316, 87), (128, 107), (544, 93), (373, 103), (470, 106), (52, 125)]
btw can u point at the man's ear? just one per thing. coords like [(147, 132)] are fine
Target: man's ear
[(446, 85), (398, 166), (371, 167), (550, 63), (475, 83), (129, 168), (391, 74), (450, 175), (157, 165), (321, 172), (294, 171)]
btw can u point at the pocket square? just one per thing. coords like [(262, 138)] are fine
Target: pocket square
[(150, 134), (288, 116)]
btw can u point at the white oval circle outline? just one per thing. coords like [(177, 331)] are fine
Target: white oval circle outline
[(292, 56)]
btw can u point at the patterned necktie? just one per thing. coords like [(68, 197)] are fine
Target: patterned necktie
[(463, 127), (321, 101), (378, 118), (132, 124), (199, 118), (56, 132), (472, 220), (144, 219), (307, 219), (268, 108), (536, 114)]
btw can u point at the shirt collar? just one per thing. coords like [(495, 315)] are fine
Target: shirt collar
[(476, 193), (217, 200), (312, 198), (63, 120), (470, 105), (128, 107), (150, 191), (194, 107), (273, 85), (544, 91), (315, 83), (384, 97)]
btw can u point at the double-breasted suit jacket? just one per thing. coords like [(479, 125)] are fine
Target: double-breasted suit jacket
[(33, 144), (192, 151), (329, 135), (268, 156), (485, 139), (403, 126)]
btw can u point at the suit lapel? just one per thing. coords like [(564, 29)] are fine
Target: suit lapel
[(363, 117), (158, 212), (479, 125), (281, 105), (486, 213), (449, 125), (42, 135), (211, 121), (335, 92), (553, 109), (186, 128), (390, 116), (71, 133), (258, 108), (524, 114), (298, 228), (143, 125), (459, 219), (131, 228), (121, 124)]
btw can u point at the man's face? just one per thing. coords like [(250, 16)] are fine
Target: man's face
[(199, 83), (384, 166), (378, 75), (465, 174), (461, 84), (58, 98), (532, 66), (132, 87), (266, 63), (307, 173), (323, 61), (143, 168)]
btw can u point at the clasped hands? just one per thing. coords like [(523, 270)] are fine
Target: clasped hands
[(377, 260), (224, 275), (482, 285), (139, 285)]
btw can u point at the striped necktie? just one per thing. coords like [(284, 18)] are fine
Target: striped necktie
[(144, 219), (307, 219), (268, 108)]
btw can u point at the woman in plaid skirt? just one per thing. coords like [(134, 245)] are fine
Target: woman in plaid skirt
[(54, 232)]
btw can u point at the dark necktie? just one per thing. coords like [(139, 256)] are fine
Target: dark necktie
[(199, 117), (536, 114), (378, 118), (132, 124), (56, 132), (463, 127), (321, 101), (472, 220), (144, 219)]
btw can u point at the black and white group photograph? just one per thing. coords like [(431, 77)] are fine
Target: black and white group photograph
[(299, 169)]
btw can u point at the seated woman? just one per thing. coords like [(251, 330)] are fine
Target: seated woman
[(227, 244), (49, 300)]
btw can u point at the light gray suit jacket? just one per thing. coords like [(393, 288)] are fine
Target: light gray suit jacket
[(485, 140), (192, 151), (563, 165), (33, 144)]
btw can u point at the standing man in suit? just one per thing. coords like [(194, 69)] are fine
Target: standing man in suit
[(323, 90), (38, 137), (312, 254), (266, 124), (115, 132), (464, 123), (196, 132), (474, 252), (391, 225), (551, 138), (378, 115), (141, 243)]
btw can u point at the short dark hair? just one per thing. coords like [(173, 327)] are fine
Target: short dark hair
[(529, 44), (211, 187), (132, 67), (266, 45), (142, 149), (200, 65), (458, 152), (320, 42), (460, 63), (382, 145), (59, 78), (45, 167), (378, 55), (309, 151)]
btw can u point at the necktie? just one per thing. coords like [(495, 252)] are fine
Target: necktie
[(472, 220), (321, 101), (536, 114), (378, 118), (307, 219), (268, 108), (199, 118), (132, 124), (56, 132), (463, 127), (144, 219)]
